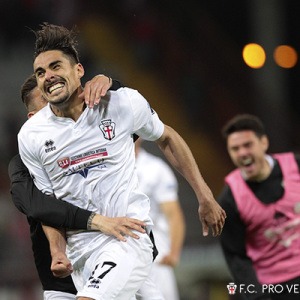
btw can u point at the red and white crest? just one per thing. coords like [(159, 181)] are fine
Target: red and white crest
[(231, 288), (64, 162), (108, 129)]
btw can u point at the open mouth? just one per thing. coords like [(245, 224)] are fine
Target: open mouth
[(55, 87), (247, 162)]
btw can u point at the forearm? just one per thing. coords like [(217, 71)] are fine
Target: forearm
[(181, 158), (49, 210), (56, 238), (177, 232), (34, 204), (177, 237), (60, 265)]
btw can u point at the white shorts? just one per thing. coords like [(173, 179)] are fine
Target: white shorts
[(55, 295), (149, 291), (164, 278), (106, 268)]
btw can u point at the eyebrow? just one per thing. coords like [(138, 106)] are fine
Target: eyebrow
[(50, 65)]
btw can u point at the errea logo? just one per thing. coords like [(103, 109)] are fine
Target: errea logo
[(49, 146)]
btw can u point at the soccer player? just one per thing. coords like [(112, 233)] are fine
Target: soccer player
[(40, 207), (159, 183), (261, 236), (86, 157)]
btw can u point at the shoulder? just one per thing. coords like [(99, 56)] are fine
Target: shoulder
[(14, 164), (15, 160), (39, 118), (123, 92), (226, 197), (35, 124), (227, 202), (16, 168), (123, 97), (134, 97), (297, 158)]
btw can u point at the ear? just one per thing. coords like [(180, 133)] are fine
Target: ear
[(30, 114), (265, 142), (80, 70)]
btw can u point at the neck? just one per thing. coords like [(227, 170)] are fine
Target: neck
[(265, 173), (266, 170), (72, 108)]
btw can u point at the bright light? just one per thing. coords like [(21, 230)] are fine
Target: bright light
[(285, 56), (254, 55)]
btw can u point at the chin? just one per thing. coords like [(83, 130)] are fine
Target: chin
[(60, 101)]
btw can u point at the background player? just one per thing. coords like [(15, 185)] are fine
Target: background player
[(158, 182), (261, 237)]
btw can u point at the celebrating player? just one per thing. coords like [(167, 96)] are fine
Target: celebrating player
[(261, 198), (86, 157)]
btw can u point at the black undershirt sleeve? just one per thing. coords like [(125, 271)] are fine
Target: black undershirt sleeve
[(116, 84), (34, 204), (233, 245)]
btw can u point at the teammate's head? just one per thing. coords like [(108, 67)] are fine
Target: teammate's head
[(53, 37), (244, 122), (56, 64), (247, 145), (31, 96)]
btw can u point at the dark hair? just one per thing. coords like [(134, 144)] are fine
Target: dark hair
[(54, 37), (244, 122), (27, 87)]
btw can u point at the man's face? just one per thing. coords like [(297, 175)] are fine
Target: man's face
[(57, 78), (247, 152)]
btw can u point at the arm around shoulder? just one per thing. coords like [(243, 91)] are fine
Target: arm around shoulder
[(33, 203)]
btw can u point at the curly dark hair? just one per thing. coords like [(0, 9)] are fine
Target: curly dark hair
[(54, 37), (244, 122)]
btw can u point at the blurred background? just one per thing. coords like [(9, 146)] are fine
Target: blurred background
[(186, 58)]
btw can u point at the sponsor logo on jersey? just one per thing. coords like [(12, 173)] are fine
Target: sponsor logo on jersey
[(49, 146), (108, 129), (82, 163), (64, 162)]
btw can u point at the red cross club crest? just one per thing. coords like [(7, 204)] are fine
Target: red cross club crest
[(108, 129)]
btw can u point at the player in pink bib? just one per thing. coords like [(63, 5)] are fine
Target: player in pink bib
[(261, 237)]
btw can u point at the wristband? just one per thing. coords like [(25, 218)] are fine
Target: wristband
[(89, 222)]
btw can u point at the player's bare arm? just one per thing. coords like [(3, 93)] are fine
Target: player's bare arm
[(94, 89), (60, 266), (179, 155), (174, 215)]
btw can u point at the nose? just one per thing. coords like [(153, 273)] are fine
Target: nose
[(49, 75), (242, 152)]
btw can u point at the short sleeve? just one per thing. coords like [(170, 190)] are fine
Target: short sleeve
[(29, 158), (147, 124)]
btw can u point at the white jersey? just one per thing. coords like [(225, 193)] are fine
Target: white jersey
[(90, 162), (158, 182)]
